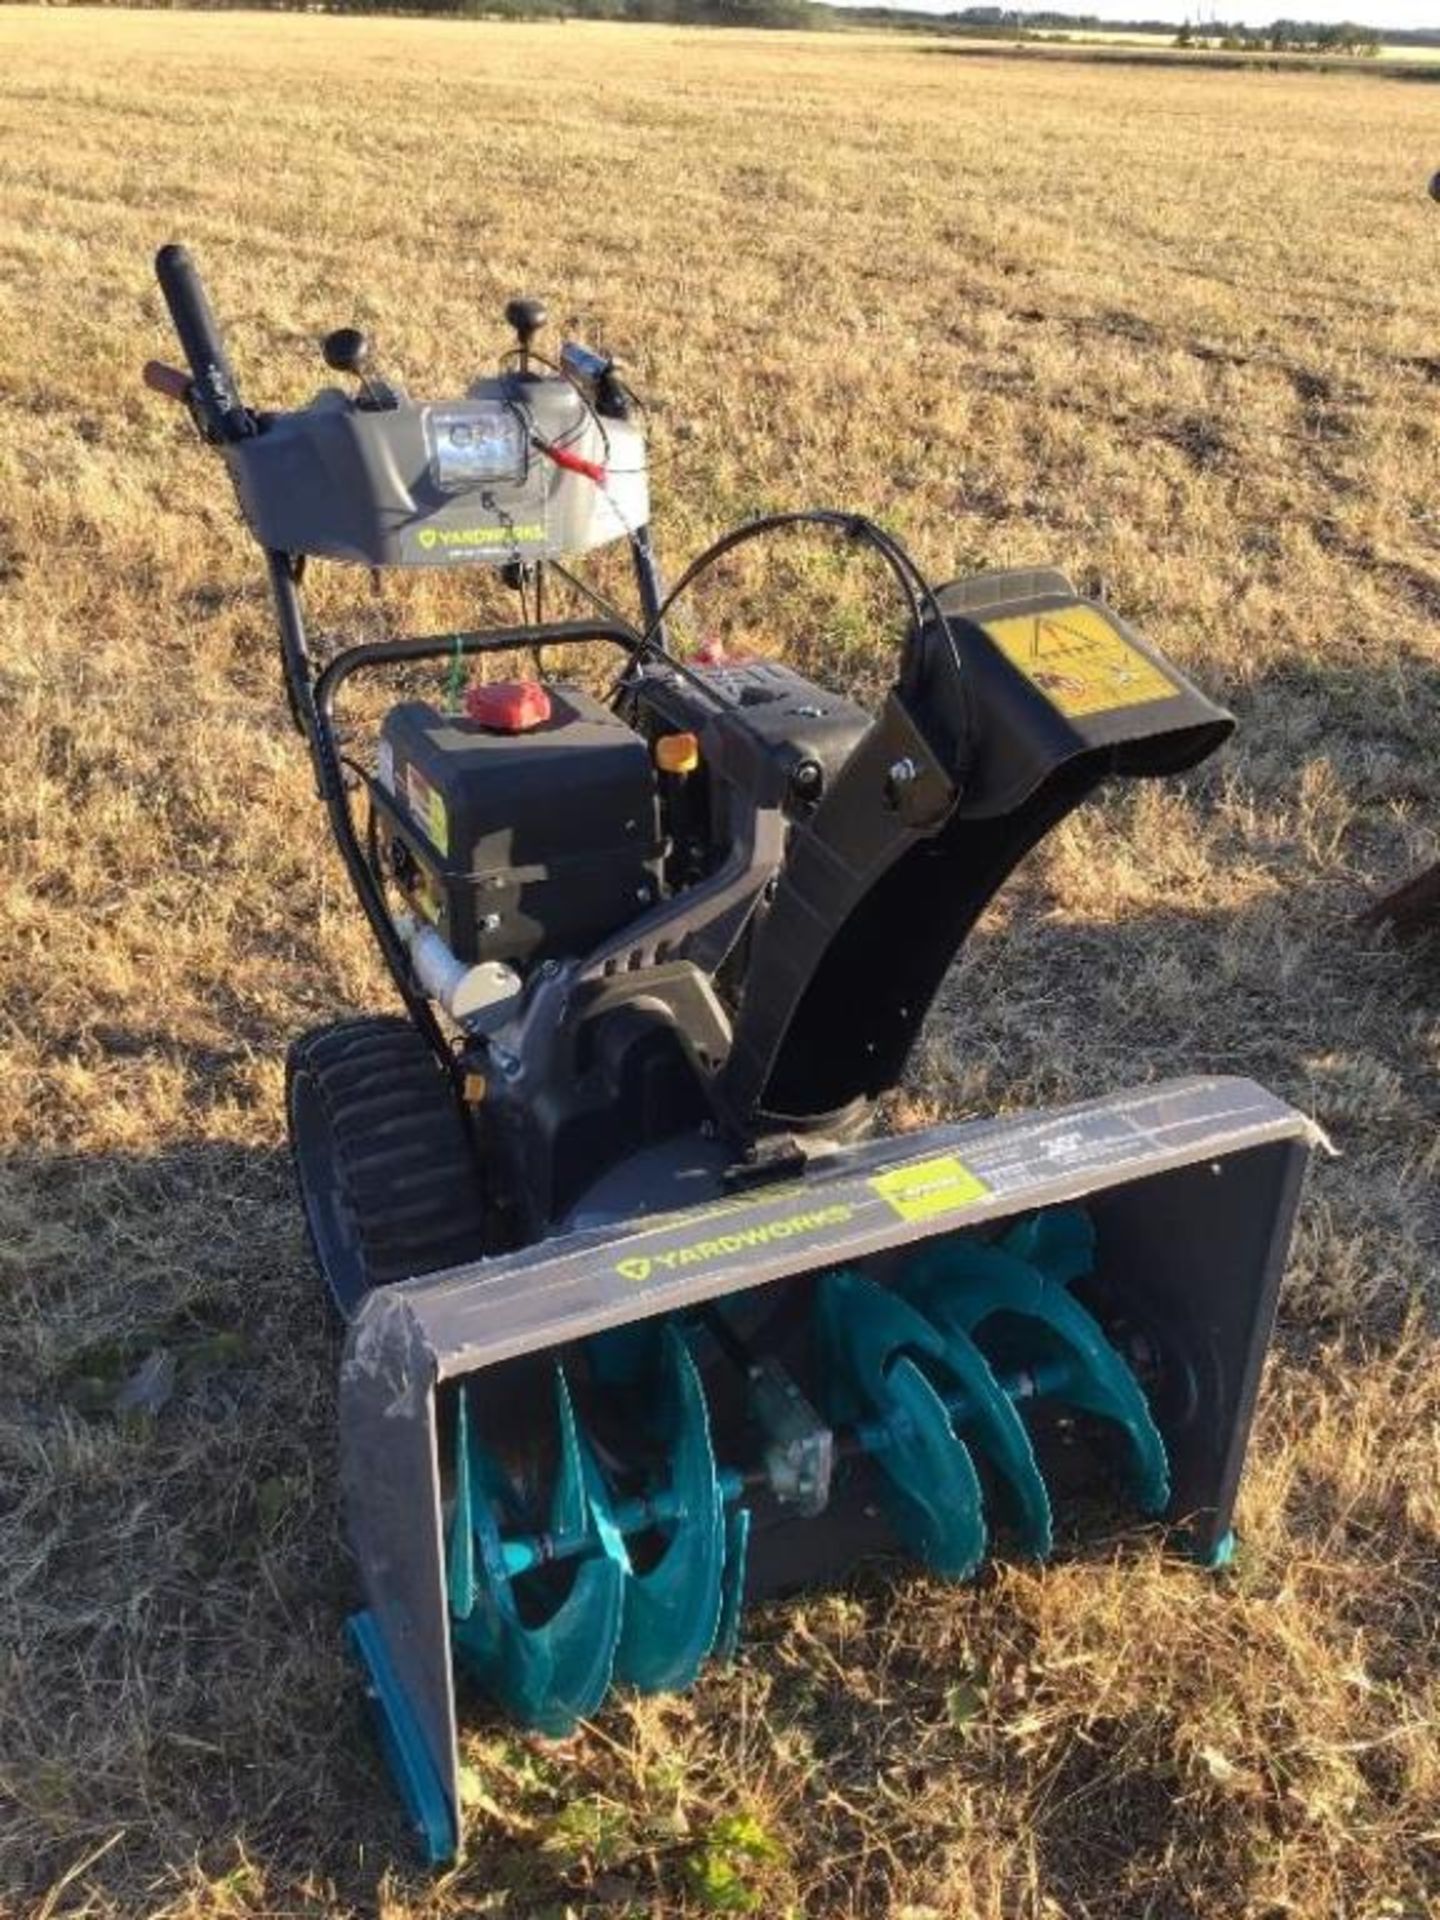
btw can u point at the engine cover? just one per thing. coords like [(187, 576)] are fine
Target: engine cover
[(519, 846), (809, 731)]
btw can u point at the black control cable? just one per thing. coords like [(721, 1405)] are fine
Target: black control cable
[(916, 589)]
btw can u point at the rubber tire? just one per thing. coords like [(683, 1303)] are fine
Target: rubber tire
[(387, 1172)]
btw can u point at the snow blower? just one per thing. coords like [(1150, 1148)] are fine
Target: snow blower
[(642, 1323)]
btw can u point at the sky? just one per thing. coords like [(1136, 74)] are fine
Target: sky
[(1376, 13)]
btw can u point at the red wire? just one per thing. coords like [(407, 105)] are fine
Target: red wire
[(574, 462)]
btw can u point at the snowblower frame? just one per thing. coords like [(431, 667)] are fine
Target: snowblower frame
[(641, 1326)]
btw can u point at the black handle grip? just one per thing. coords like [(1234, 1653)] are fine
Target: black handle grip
[(199, 336)]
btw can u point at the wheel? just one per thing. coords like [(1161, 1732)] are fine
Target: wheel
[(387, 1172)]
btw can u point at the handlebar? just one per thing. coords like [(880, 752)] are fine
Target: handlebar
[(214, 389)]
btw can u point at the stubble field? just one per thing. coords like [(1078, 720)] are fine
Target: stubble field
[(1177, 331)]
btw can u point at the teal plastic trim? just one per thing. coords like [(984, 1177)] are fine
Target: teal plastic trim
[(435, 1820)]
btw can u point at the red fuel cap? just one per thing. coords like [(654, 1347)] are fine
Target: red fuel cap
[(508, 706)]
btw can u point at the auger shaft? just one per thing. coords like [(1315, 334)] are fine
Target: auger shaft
[(1051, 1379), (524, 1552)]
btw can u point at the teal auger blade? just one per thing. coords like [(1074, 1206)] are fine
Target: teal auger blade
[(460, 1581), (672, 1607), (984, 1418), (987, 1421), (869, 1343), (625, 1356), (1060, 1241), (935, 1503), (550, 1670), (732, 1603), (964, 1284)]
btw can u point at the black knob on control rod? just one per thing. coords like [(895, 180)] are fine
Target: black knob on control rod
[(526, 317), (347, 350)]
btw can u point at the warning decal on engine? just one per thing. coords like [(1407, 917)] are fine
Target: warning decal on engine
[(928, 1187), (427, 809), (1079, 661)]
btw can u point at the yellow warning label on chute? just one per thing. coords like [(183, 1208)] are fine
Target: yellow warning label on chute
[(929, 1187), (1079, 661)]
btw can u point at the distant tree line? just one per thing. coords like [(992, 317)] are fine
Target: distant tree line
[(1285, 36), (1021, 23), (988, 22), (715, 13), (718, 13), (992, 23)]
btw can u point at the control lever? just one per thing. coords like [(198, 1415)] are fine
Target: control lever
[(347, 350), (610, 395), (527, 317), (175, 384), (171, 381)]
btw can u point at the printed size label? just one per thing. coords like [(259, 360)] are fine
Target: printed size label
[(645, 1266), (929, 1187), (1079, 661), (427, 809)]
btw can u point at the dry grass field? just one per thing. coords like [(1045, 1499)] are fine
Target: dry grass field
[(1178, 331)]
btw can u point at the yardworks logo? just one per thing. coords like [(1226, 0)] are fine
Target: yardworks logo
[(449, 539), (641, 1267)]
